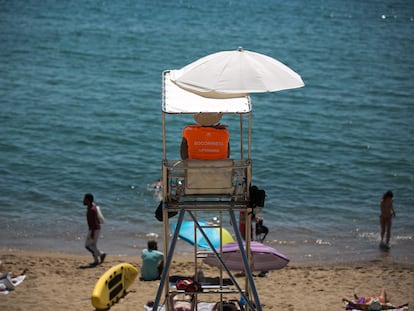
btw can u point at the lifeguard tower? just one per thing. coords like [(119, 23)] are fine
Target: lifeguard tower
[(194, 187)]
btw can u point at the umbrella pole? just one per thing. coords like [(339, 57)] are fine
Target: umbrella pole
[(249, 136), (164, 138), (241, 137)]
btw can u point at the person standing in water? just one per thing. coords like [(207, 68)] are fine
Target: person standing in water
[(387, 213)]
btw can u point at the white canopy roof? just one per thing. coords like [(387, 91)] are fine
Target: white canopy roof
[(178, 100)]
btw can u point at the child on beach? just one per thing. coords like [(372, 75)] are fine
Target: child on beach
[(387, 212)]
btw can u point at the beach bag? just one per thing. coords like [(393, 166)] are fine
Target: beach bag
[(257, 197), (100, 215), (188, 285), (159, 213)]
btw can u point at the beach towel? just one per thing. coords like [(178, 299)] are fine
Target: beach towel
[(396, 309), (351, 306), (8, 283), (201, 306)]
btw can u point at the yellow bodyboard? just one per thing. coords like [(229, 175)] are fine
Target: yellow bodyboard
[(112, 285)]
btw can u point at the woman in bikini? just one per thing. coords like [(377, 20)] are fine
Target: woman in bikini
[(387, 213)]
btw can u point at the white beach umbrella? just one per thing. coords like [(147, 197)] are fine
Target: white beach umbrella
[(235, 74)]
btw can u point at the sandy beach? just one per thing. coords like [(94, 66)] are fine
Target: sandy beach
[(58, 281)]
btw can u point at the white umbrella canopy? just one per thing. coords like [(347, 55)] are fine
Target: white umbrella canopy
[(235, 74), (179, 100)]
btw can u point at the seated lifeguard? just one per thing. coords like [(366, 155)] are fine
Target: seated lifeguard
[(208, 140)]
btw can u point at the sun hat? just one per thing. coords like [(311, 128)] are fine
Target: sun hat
[(207, 119)]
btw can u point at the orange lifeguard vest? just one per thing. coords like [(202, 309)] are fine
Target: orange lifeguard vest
[(207, 143)]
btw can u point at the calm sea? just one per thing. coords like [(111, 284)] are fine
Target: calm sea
[(80, 96)]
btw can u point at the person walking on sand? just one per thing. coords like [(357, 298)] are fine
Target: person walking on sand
[(387, 213), (94, 220)]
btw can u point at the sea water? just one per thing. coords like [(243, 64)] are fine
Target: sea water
[(80, 96)]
